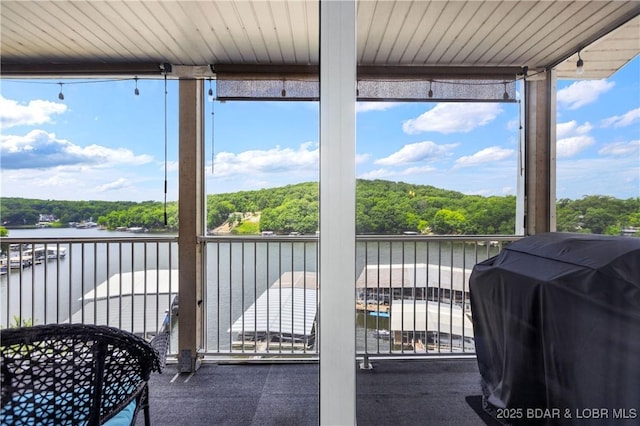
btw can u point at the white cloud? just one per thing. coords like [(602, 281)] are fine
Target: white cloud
[(416, 152), (622, 120), (571, 128), (116, 185), (568, 147), (418, 170), (572, 138), (613, 176), (362, 158), (513, 125), (621, 149), (275, 160), (172, 166), (397, 174), (35, 112), (375, 106), (39, 149), (487, 155), (377, 174), (453, 117), (582, 93), (86, 183)]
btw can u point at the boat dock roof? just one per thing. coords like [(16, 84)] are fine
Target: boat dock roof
[(137, 301), (289, 306), (414, 275), (151, 281)]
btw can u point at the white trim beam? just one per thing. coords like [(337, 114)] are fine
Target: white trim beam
[(337, 212)]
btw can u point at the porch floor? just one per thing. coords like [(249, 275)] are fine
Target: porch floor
[(405, 392)]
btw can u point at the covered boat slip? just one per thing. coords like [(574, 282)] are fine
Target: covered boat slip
[(426, 325), (283, 316), (382, 282), (427, 304), (140, 301)]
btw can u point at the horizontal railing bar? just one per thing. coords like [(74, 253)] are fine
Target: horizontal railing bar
[(416, 357), (455, 238), (359, 237), (54, 240)]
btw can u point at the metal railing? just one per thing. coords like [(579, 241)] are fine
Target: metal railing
[(412, 294), (129, 283), (261, 293)]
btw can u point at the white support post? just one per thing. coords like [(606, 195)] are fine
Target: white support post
[(337, 212)]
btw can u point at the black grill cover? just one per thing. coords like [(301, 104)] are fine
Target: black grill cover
[(556, 321)]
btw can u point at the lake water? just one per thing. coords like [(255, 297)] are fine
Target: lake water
[(236, 273)]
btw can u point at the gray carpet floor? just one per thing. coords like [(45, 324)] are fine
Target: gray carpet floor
[(426, 392)]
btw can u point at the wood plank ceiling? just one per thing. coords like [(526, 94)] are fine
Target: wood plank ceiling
[(52, 36)]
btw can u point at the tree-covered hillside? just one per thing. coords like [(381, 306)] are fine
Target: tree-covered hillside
[(23, 211), (382, 207)]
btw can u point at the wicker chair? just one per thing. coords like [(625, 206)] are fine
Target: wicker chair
[(76, 374)]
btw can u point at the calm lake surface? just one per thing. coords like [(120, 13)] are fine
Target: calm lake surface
[(236, 274)]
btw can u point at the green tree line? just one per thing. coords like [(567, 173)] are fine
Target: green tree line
[(382, 207), (15, 212)]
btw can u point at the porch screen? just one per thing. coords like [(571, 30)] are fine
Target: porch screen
[(301, 83)]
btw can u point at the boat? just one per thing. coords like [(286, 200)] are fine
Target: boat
[(18, 261), (86, 225), (46, 252), (137, 229), (382, 334)]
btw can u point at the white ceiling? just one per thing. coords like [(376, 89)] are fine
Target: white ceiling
[(53, 36)]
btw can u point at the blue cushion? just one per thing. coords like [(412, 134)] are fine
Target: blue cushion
[(124, 417), (19, 411)]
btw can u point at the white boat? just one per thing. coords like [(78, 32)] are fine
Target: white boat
[(86, 225), (46, 252), (137, 229), (16, 261)]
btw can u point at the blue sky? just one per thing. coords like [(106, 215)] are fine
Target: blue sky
[(104, 143)]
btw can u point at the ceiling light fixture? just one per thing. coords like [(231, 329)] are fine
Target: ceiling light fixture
[(505, 95), (430, 94), (579, 65), (61, 95), (210, 92), (136, 92)]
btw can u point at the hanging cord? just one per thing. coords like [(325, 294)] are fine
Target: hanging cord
[(213, 151), (165, 148), (521, 137)]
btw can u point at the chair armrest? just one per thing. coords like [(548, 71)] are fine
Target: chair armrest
[(160, 342)]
